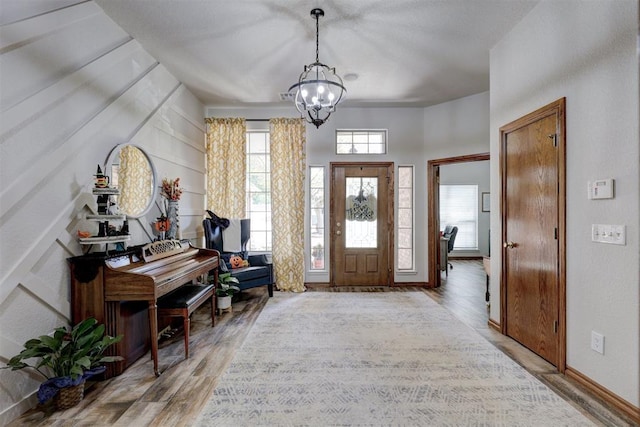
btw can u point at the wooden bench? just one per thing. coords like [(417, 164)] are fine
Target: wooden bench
[(184, 301)]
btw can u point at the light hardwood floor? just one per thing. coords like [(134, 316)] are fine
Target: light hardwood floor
[(138, 398)]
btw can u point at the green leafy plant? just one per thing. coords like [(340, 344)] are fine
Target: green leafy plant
[(317, 251), (68, 353), (227, 285)]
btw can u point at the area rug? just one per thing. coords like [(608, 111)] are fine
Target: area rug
[(391, 358)]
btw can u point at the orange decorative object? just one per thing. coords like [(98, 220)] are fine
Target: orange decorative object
[(83, 234), (162, 224), (236, 261)]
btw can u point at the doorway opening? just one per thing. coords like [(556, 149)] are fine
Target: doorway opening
[(436, 255)]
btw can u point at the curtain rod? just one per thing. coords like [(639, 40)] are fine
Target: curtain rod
[(256, 120)]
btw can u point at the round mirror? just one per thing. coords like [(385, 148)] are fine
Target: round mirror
[(132, 172)]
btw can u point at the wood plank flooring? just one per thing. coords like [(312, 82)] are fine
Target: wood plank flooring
[(138, 398)]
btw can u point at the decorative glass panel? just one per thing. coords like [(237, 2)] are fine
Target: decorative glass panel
[(405, 218), (361, 216), (405, 257), (316, 217)]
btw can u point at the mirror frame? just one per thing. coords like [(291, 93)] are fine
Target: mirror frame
[(154, 194)]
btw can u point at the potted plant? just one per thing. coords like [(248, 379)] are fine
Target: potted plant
[(67, 359), (227, 286), (317, 254)]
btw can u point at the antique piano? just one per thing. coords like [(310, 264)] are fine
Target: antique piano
[(121, 290)]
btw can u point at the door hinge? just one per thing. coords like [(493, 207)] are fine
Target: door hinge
[(555, 326), (555, 233), (554, 137)]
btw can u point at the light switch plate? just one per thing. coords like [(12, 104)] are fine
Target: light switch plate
[(608, 233)]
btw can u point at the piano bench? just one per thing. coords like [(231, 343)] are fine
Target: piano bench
[(184, 301)]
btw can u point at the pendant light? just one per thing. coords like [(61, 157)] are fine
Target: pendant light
[(319, 89)]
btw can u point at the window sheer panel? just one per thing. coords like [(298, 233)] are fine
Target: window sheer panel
[(459, 207)]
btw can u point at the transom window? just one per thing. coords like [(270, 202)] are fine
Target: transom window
[(361, 142)]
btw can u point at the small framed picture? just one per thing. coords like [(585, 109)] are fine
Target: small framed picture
[(486, 202)]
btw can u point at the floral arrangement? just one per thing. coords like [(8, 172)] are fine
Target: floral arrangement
[(171, 189)]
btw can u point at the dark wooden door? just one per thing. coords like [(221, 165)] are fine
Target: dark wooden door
[(362, 224), (531, 182)]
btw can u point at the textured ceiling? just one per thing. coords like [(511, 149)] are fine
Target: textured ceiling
[(246, 52)]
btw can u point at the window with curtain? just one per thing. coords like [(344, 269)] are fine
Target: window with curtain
[(258, 190), (459, 207)]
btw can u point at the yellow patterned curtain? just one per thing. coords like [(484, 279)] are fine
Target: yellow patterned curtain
[(134, 181), (226, 166), (288, 156)]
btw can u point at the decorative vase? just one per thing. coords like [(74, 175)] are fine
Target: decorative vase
[(224, 302), (68, 397), (174, 219)]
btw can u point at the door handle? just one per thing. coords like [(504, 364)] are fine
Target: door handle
[(509, 245), (338, 232)]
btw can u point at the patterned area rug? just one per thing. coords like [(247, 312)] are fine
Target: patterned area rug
[(392, 358)]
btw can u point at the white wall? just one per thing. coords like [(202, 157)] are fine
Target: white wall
[(458, 127), (454, 128), (584, 51), (74, 85)]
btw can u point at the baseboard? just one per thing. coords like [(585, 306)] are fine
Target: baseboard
[(317, 285), (494, 325), (410, 284), (606, 395), (322, 285)]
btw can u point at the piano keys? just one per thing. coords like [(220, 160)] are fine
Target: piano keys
[(121, 291)]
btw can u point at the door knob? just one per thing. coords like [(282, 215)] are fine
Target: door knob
[(338, 232), (509, 245)]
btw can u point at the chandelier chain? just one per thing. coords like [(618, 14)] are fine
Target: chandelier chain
[(317, 38)]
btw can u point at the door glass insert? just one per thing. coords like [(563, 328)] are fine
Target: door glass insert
[(361, 212)]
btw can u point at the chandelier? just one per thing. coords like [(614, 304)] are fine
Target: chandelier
[(319, 89)]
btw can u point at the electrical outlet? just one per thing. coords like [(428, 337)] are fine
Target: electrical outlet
[(597, 342)]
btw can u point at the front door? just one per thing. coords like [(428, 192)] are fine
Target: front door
[(361, 224), (532, 226)]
